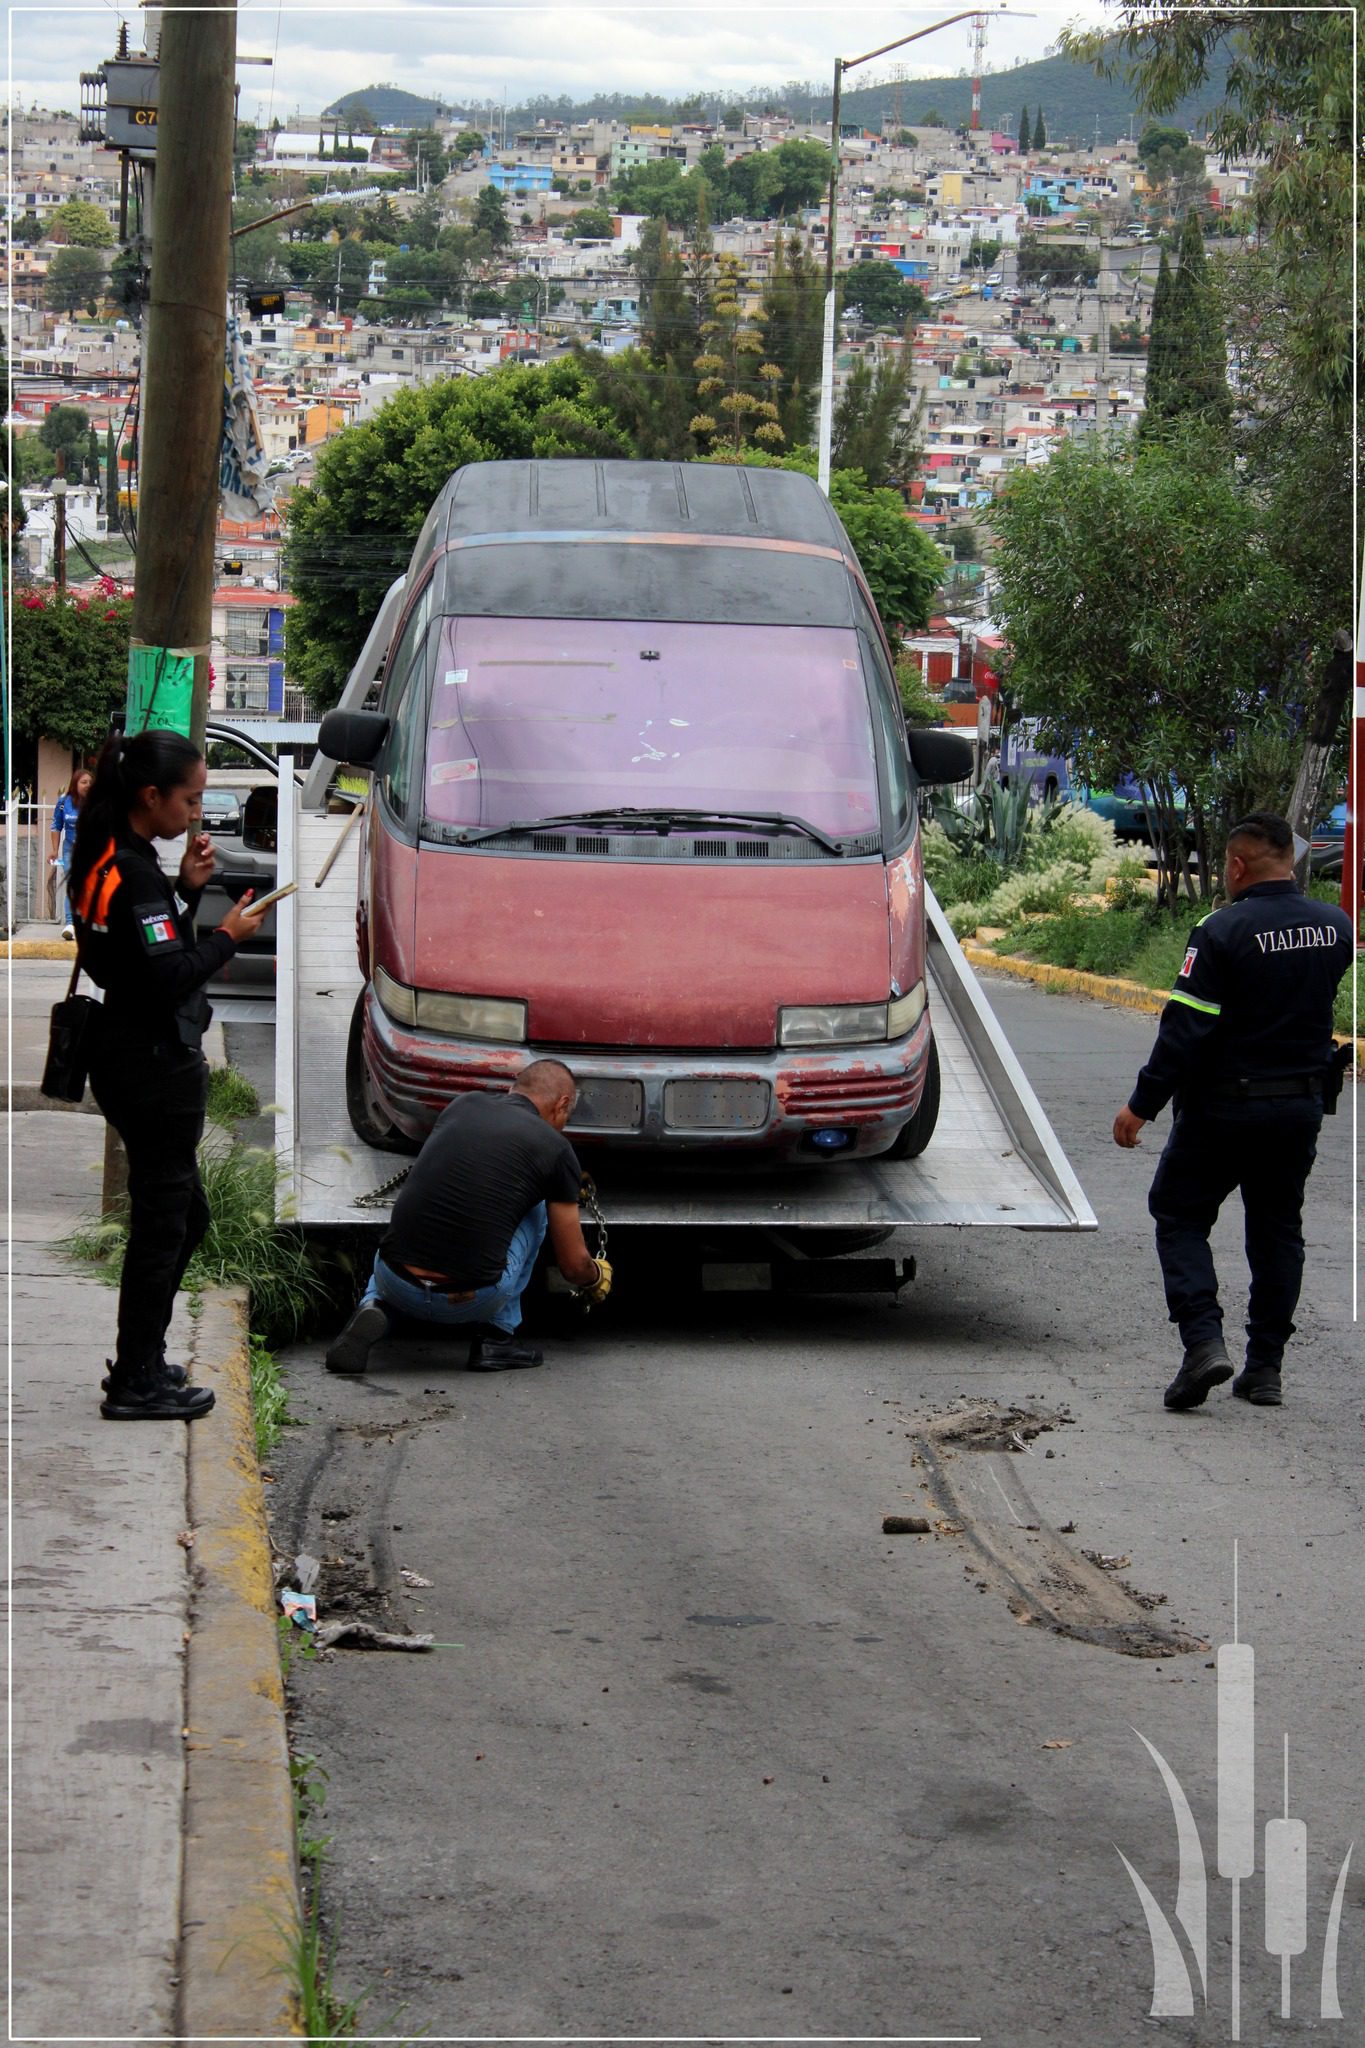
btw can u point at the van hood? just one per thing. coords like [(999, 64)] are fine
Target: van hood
[(628, 953)]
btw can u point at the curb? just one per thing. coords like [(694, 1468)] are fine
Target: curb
[(240, 1907), (1100, 988), (39, 949)]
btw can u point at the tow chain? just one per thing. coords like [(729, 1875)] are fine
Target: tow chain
[(374, 1198)]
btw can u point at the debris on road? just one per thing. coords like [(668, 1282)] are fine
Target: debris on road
[(905, 1525), (412, 1578), (362, 1635), (300, 1608)]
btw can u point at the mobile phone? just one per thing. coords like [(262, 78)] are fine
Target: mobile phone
[(264, 902)]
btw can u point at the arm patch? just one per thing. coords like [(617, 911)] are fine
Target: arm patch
[(156, 927)]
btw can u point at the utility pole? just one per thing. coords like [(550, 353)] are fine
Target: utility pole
[(182, 400), (59, 488)]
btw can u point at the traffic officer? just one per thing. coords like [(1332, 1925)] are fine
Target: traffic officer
[(136, 940), (494, 1176), (1245, 1049)]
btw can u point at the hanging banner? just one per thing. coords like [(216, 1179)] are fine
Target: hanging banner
[(246, 494)]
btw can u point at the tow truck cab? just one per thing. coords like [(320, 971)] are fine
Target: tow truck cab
[(643, 800)]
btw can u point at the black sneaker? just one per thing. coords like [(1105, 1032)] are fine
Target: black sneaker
[(174, 1375), (1203, 1367), (350, 1352), (1261, 1385), (154, 1400), (495, 1351)]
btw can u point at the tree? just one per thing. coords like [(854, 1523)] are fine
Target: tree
[(1147, 621), (933, 119), (591, 224), (65, 430), (732, 119), (1023, 133), (75, 277), (425, 147), (490, 219), (27, 229), (350, 532), (1039, 130), (872, 431), (424, 222), (882, 295), (467, 143), (1174, 168), (1189, 345), (735, 389), (793, 330), (81, 224), (70, 665)]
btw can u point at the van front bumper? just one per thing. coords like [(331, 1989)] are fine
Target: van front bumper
[(630, 1100)]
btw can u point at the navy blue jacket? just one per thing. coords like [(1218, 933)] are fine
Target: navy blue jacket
[(1253, 999)]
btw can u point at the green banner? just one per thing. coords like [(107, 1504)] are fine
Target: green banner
[(160, 689)]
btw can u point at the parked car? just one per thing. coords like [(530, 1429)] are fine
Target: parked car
[(643, 800), (1327, 847)]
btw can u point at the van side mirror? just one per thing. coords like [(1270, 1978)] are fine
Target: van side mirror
[(352, 736), (260, 819), (940, 756)]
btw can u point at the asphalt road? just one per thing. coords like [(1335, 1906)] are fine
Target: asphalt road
[(705, 1753)]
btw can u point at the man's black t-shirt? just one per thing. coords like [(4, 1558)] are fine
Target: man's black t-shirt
[(488, 1160)]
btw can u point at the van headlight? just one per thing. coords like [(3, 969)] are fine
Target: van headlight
[(424, 1009), (851, 1023)]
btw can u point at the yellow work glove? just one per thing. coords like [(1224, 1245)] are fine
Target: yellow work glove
[(597, 1290)]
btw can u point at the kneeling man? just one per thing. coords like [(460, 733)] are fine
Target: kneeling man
[(495, 1173)]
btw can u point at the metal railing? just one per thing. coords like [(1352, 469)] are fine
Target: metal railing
[(33, 889)]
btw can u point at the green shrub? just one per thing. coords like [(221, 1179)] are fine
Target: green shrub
[(244, 1246), (230, 1097), (1341, 1014), (963, 918)]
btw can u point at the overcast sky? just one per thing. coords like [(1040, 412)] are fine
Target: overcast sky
[(474, 54)]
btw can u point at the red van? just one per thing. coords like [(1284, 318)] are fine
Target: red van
[(643, 799)]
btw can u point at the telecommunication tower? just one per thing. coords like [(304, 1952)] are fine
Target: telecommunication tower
[(978, 62)]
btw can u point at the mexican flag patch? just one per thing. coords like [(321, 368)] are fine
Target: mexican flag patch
[(158, 929)]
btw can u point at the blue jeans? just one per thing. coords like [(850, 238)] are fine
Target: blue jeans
[(499, 1305)]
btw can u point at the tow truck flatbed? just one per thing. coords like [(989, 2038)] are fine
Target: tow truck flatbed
[(993, 1159)]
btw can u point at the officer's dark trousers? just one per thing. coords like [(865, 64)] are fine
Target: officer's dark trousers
[(1266, 1149), (155, 1101)]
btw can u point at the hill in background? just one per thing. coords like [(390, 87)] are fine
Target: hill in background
[(388, 107)]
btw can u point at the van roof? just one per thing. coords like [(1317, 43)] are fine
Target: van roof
[(550, 496)]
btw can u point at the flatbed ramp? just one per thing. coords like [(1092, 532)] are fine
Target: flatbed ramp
[(993, 1159)]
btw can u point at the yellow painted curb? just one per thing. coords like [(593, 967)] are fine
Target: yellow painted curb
[(240, 1898), (39, 949), (1100, 988)]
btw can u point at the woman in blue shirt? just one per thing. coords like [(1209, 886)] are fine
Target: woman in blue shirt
[(64, 837)]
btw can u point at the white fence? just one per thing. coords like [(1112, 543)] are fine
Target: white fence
[(33, 889)]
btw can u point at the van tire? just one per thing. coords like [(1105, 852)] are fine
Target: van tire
[(367, 1119), (920, 1129)]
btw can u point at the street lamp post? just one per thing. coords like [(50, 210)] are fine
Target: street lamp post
[(841, 65)]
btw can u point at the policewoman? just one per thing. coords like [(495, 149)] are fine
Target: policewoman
[(1245, 1051), (135, 939)]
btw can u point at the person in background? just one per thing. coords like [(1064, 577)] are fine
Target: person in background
[(64, 819), (136, 940), (1245, 1048), (495, 1174)]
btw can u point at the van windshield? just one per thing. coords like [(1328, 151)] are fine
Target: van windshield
[(533, 718)]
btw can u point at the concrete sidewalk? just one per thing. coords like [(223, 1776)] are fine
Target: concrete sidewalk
[(153, 1871)]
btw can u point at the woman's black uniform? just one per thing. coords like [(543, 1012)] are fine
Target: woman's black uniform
[(136, 940)]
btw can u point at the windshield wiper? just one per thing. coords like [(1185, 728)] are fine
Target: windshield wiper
[(661, 820)]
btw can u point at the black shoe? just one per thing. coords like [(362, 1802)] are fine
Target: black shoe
[(495, 1351), (154, 1400), (174, 1375), (1203, 1367), (1259, 1384), (350, 1351)]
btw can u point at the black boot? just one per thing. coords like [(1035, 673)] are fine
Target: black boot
[(1259, 1384), (152, 1398), (1203, 1367), (494, 1351), (174, 1375), (350, 1352)]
